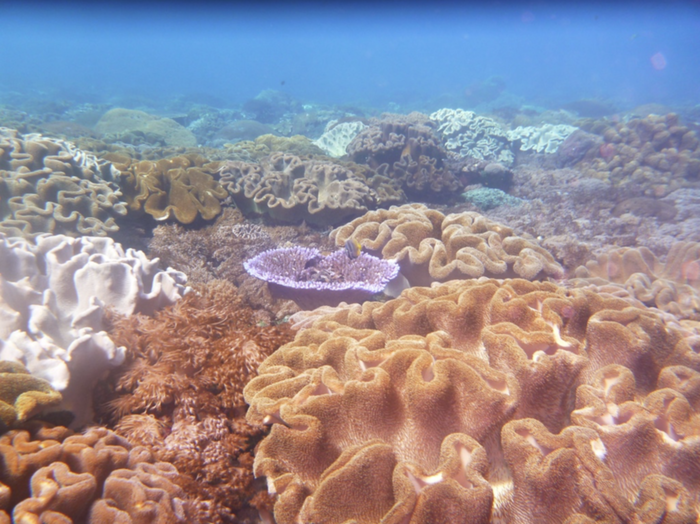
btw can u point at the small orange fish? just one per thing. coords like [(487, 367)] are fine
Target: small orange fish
[(353, 248)]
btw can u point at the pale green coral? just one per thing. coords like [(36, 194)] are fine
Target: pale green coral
[(486, 198), (546, 138)]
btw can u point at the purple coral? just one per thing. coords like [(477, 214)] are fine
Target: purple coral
[(312, 279)]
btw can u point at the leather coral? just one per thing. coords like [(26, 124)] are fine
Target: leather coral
[(482, 401)]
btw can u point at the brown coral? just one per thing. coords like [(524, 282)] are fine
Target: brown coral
[(481, 401), (656, 154), (49, 186), (673, 287), (22, 395), (290, 188), (432, 247), (181, 187), (53, 475), (181, 393), (404, 149)]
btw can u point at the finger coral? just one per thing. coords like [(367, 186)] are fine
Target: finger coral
[(311, 279), (291, 189), (180, 393), (481, 401), (181, 187), (673, 286), (432, 247), (50, 186), (53, 295), (53, 475)]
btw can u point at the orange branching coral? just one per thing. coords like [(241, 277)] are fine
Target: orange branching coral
[(483, 401), (53, 475), (180, 394), (673, 287), (432, 247)]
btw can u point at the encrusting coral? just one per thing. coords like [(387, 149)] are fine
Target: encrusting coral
[(432, 247), (54, 475), (50, 186), (673, 287), (483, 401), (181, 187), (290, 188), (53, 295), (180, 394)]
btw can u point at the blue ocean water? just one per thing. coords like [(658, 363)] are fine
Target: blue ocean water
[(410, 54)]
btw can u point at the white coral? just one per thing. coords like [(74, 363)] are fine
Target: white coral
[(334, 141), (53, 294)]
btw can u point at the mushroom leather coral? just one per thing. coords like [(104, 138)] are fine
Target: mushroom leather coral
[(181, 187), (53, 475), (22, 395), (432, 247), (483, 401), (181, 392), (673, 287)]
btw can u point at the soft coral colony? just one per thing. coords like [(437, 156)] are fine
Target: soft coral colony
[(491, 389)]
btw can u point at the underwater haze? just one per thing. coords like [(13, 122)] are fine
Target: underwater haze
[(404, 53)]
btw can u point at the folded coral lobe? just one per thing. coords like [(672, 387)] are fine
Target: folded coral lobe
[(481, 401), (312, 279)]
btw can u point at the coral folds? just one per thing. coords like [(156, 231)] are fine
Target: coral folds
[(483, 401)]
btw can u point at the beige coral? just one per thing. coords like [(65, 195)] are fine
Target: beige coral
[(481, 401), (433, 247)]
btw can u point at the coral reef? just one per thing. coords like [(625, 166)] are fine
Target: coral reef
[(312, 280), (180, 393), (53, 475), (22, 395), (50, 186), (483, 401), (653, 156), (181, 187), (335, 139), (53, 295), (470, 135), (137, 127), (431, 247), (486, 198), (543, 139), (673, 287), (265, 145), (404, 149), (291, 189)]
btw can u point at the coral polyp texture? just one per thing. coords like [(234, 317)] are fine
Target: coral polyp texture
[(50, 186), (312, 279), (673, 287), (432, 247), (181, 187), (405, 149), (22, 395), (180, 394), (656, 154), (53, 295), (483, 401), (54, 475), (290, 188)]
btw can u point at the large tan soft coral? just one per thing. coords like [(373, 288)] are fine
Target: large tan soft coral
[(180, 394), (432, 247), (483, 401)]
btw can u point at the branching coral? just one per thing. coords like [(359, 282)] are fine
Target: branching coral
[(180, 394), (291, 189), (404, 149), (49, 186), (430, 246), (482, 401), (181, 187), (53, 475)]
